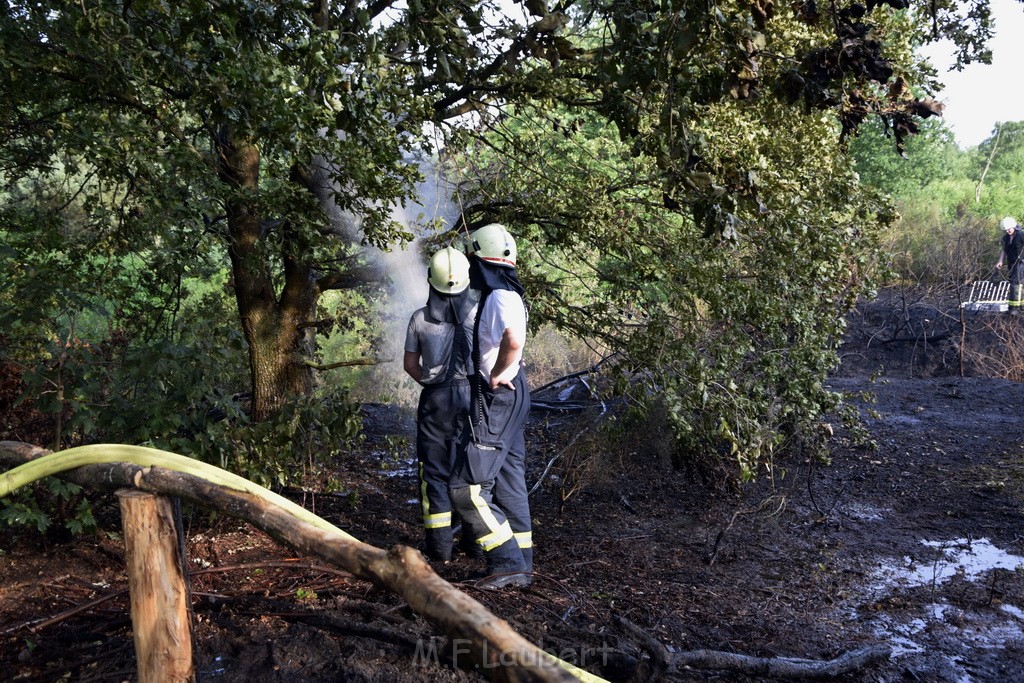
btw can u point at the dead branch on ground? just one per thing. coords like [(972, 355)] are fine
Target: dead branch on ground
[(772, 667)]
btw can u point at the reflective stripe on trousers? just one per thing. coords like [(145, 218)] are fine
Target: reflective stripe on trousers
[(436, 416), (497, 510)]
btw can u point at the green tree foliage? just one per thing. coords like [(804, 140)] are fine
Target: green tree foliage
[(706, 225), (932, 156), (928, 185), (734, 334), (197, 129), (687, 154), (998, 168)]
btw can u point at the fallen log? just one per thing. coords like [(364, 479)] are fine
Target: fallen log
[(489, 642), (782, 667), (768, 667)]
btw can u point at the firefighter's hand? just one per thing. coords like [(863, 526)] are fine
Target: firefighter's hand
[(999, 266), (495, 383)]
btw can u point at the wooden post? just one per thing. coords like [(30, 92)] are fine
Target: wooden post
[(159, 599)]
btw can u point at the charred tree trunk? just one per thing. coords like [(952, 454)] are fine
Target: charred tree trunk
[(161, 620), (279, 343)]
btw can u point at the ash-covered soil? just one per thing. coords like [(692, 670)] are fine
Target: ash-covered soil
[(915, 544)]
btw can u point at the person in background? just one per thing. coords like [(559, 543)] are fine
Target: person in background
[(1013, 248), (488, 483), (438, 355)]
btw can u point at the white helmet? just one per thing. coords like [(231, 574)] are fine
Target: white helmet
[(448, 271), (494, 244), (1008, 223)]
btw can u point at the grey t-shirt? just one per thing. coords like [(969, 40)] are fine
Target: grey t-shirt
[(434, 340)]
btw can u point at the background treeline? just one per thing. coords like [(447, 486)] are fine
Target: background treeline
[(948, 200)]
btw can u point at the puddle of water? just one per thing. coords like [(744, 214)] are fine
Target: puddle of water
[(903, 646), (909, 420), (399, 468), (969, 558), (939, 624), (947, 634), (1013, 611), (217, 671), (993, 637), (863, 513), (900, 636)]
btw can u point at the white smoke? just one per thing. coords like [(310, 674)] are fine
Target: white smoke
[(405, 265)]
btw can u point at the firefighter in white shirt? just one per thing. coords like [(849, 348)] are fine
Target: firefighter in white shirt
[(488, 482)]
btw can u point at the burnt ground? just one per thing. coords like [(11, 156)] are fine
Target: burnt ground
[(915, 544)]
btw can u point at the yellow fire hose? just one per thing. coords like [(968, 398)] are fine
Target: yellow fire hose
[(98, 454)]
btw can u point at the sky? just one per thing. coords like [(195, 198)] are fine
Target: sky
[(982, 95)]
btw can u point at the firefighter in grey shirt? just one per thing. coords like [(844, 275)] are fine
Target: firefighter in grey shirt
[(438, 355)]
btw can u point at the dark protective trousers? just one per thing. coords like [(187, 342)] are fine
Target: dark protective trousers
[(511, 495), (1016, 289), (437, 415), (488, 482)]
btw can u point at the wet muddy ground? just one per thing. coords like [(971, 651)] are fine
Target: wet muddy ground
[(916, 544)]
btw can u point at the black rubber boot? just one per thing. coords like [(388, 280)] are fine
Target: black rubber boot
[(505, 567), (528, 559), (438, 546), (467, 544), (469, 548)]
